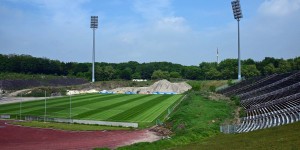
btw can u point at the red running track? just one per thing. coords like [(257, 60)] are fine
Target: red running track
[(25, 138)]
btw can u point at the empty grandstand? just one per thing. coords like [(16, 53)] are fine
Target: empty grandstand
[(269, 101)]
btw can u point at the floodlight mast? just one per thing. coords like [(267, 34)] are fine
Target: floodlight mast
[(237, 12), (94, 26)]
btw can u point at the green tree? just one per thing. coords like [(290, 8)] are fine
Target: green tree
[(136, 75), (212, 74), (249, 71), (296, 63), (175, 74), (191, 72), (269, 69), (268, 60), (229, 68), (146, 70), (284, 66), (158, 74), (126, 74), (104, 73), (207, 70), (248, 62)]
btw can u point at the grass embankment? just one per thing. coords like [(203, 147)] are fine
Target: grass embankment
[(196, 118), (282, 137), (209, 85), (67, 127)]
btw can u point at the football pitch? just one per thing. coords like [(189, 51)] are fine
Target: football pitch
[(117, 107)]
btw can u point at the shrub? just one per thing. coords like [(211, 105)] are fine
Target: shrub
[(242, 113), (236, 100), (212, 88), (230, 82)]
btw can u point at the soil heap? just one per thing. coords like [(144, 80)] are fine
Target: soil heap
[(159, 86)]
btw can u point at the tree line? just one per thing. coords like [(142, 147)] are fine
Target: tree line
[(226, 69)]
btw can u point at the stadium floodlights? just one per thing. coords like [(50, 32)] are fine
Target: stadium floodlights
[(94, 26), (94, 22), (237, 11)]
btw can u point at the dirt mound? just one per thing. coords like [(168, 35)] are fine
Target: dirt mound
[(18, 92), (74, 92), (159, 86), (161, 131), (166, 86)]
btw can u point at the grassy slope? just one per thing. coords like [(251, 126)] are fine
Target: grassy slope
[(196, 118), (283, 137), (132, 108), (199, 132), (206, 85)]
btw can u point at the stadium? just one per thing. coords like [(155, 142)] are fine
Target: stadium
[(149, 74)]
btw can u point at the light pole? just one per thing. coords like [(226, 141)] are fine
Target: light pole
[(94, 26), (237, 12), (217, 56)]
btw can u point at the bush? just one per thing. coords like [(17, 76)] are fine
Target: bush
[(212, 88), (196, 85), (242, 113), (230, 82), (236, 100)]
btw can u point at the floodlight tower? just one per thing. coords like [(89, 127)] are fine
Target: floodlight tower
[(217, 56), (94, 26), (237, 12)]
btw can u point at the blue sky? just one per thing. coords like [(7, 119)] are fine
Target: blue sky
[(187, 32)]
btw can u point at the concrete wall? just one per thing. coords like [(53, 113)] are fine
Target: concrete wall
[(107, 123), (5, 116), (92, 122)]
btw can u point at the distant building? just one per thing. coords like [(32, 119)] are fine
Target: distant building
[(139, 80)]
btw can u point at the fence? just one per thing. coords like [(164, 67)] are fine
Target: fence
[(91, 122), (227, 129)]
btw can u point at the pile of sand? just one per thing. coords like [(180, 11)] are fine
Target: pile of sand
[(159, 86)]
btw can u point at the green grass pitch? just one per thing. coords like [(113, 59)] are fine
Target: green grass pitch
[(124, 108)]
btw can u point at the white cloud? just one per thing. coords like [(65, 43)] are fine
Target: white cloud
[(152, 9), (159, 33), (128, 38), (175, 24), (64, 11), (279, 8)]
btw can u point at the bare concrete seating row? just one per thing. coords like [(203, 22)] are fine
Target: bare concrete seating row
[(269, 101), (284, 82)]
